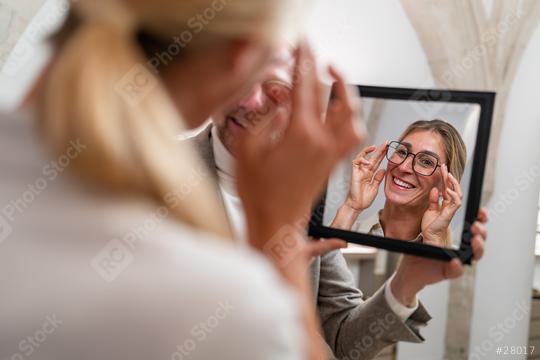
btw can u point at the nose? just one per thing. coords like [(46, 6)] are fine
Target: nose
[(407, 165), (255, 100)]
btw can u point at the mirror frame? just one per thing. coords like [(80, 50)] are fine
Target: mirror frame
[(486, 101)]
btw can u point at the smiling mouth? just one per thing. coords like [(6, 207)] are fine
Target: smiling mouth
[(235, 121), (402, 184)]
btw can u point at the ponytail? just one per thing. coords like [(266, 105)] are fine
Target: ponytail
[(100, 93)]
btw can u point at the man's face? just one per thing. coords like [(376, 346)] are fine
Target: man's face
[(258, 108)]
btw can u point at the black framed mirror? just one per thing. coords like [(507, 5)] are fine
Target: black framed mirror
[(412, 135)]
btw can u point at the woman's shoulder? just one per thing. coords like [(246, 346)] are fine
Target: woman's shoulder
[(113, 267), (233, 296), (171, 293)]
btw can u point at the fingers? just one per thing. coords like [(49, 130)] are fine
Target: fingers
[(374, 162), (452, 194), (454, 184), (483, 215), (360, 159), (480, 229), (444, 171), (304, 104), (320, 247), (455, 199), (362, 154), (342, 98), (480, 233), (343, 116), (346, 134), (316, 85), (451, 206), (379, 157), (379, 176), (477, 245), (453, 269), (297, 92)]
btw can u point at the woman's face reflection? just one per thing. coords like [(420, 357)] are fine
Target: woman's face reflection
[(403, 186)]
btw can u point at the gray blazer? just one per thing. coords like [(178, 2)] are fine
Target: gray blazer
[(354, 327)]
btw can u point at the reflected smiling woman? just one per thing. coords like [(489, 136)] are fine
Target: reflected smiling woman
[(425, 164)]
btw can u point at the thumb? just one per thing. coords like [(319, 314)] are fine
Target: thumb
[(434, 199), (317, 248), (453, 269)]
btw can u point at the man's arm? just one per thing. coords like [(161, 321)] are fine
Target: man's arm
[(358, 328)]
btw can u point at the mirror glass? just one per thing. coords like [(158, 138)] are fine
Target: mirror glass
[(385, 190)]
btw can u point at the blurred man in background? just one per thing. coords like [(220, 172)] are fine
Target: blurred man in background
[(350, 323)]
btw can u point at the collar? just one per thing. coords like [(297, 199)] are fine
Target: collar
[(225, 163), (371, 225)]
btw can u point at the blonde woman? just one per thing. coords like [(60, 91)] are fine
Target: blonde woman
[(427, 160), (426, 163), (114, 246)]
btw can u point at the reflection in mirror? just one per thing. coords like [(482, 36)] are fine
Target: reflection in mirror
[(410, 179)]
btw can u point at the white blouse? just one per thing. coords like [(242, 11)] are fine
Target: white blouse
[(86, 274)]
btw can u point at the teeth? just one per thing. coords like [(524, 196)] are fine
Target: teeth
[(402, 183)]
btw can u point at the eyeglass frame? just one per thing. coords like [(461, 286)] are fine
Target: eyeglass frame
[(413, 160)]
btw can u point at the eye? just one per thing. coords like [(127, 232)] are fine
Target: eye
[(427, 161), (402, 152), (278, 91)]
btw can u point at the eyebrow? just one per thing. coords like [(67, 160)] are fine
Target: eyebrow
[(409, 146)]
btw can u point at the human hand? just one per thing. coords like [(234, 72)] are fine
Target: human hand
[(278, 180), (366, 177), (437, 218), (414, 273)]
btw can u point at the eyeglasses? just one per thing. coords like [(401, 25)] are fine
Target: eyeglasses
[(423, 163)]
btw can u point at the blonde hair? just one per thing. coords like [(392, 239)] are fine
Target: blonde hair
[(129, 139), (456, 152)]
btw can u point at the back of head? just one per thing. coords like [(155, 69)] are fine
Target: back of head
[(100, 91), (455, 149)]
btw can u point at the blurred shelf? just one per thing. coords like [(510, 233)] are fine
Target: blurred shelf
[(359, 252)]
